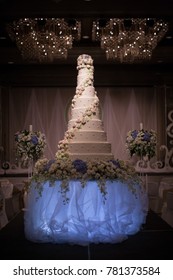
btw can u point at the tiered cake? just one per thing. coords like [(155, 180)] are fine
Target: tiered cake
[(85, 138)]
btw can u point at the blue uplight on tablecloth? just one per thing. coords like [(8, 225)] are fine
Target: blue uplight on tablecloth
[(88, 216)]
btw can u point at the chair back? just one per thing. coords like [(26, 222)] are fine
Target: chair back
[(169, 200), (3, 216)]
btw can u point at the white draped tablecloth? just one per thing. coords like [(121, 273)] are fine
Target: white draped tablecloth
[(88, 216)]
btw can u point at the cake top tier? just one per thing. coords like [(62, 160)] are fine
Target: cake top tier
[(84, 61)]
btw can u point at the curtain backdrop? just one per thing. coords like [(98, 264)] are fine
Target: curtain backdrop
[(48, 110)]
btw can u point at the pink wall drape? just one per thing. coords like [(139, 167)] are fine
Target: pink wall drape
[(47, 109)]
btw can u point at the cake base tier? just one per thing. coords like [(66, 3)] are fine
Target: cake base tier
[(91, 157), (90, 147)]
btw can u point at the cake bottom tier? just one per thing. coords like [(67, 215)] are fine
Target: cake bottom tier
[(91, 157), (89, 147)]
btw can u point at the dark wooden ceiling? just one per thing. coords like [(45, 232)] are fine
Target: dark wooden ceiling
[(86, 12)]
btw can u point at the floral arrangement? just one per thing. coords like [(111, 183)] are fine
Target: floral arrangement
[(29, 145), (66, 170), (141, 143)]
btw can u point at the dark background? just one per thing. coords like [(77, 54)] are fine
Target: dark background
[(157, 71)]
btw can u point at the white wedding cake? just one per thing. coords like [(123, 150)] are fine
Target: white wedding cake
[(85, 138)]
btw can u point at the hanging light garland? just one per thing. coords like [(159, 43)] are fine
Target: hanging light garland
[(44, 39), (129, 40)]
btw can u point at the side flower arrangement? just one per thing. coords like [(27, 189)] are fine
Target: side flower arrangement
[(141, 143), (29, 145)]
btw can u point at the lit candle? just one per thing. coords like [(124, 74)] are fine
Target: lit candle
[(30, 127), (141, 126)]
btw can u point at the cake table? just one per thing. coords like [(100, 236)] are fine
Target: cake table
[(88, 216), (84, 154)]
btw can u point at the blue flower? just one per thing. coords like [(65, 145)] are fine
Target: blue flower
[(116, 163), (34, 140), (134, 134), (80, 166), (146, 136), (48, 165)]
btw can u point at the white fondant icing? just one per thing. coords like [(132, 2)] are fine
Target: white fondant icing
[(84, 102), (93, 156), (96, 136), (89, 141), (96, 125), (77, 113), (92, 147), (89, 91)]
